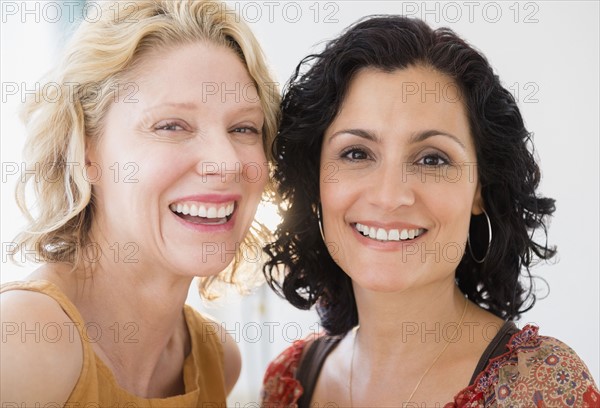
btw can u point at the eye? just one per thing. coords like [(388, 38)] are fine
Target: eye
[(355, 154), (246, 129), (170, 126), (432, 160)]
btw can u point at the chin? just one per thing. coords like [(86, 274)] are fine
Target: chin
[(385, 288), (197, 267), (383, 284)]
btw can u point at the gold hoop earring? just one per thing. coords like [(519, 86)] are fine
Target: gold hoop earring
[(320, 222), (482, 260)]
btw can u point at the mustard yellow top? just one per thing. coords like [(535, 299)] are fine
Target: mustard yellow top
[(203, 370)]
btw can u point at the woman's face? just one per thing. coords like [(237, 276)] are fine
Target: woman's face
[(398, 180), (182, 161)]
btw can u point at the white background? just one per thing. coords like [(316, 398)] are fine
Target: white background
[(547, 52)]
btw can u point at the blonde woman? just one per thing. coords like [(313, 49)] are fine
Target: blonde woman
[(148, 171)]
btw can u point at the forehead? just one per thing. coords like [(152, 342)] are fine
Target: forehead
[(197, 71), (403, 101), (414, 84)]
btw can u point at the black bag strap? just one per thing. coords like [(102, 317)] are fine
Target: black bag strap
[(314, 357), (497, 347), (311, 364)]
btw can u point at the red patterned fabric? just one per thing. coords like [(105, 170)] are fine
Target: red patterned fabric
[(280, 388), (537, 371)]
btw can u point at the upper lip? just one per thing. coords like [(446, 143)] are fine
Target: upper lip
[(390, 225), (209, 198)]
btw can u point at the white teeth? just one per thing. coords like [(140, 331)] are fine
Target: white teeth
[(381, 234), (204, 210), (372, 233)]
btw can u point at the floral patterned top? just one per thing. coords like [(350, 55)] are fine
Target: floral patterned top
[(537, 371)]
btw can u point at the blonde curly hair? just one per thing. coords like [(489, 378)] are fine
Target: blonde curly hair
[(67, 114)]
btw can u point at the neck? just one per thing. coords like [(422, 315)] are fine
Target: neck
[(139, 308), (402, 323)]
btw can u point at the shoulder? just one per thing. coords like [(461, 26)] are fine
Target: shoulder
[(232, 359), (209, 331), (546, 371), (537, 371), (36, 332), (280, 385)]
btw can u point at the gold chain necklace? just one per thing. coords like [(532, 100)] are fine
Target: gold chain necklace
[(426, 371)]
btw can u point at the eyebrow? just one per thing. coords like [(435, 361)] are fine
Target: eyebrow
[(252, 108), (415, 137), (191, 106), (178, 105), (426, 134), (365, 134)]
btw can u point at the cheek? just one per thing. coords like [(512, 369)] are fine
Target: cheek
[(153, 173), (255, 170), (331, 196), (118, 158), (452, 205), (338, 195), (334, 204)]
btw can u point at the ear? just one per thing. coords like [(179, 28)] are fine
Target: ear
[(478, 206), (91, 161), (89, 150)]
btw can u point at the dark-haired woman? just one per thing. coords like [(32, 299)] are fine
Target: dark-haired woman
[(410, 207)]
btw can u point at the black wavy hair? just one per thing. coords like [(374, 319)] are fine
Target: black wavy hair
[(301, 269)]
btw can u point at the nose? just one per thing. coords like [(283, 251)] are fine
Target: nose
[(218, 157), (390, 189)]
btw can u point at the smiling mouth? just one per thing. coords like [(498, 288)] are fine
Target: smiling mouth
[(204, 213), (391, 235)]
